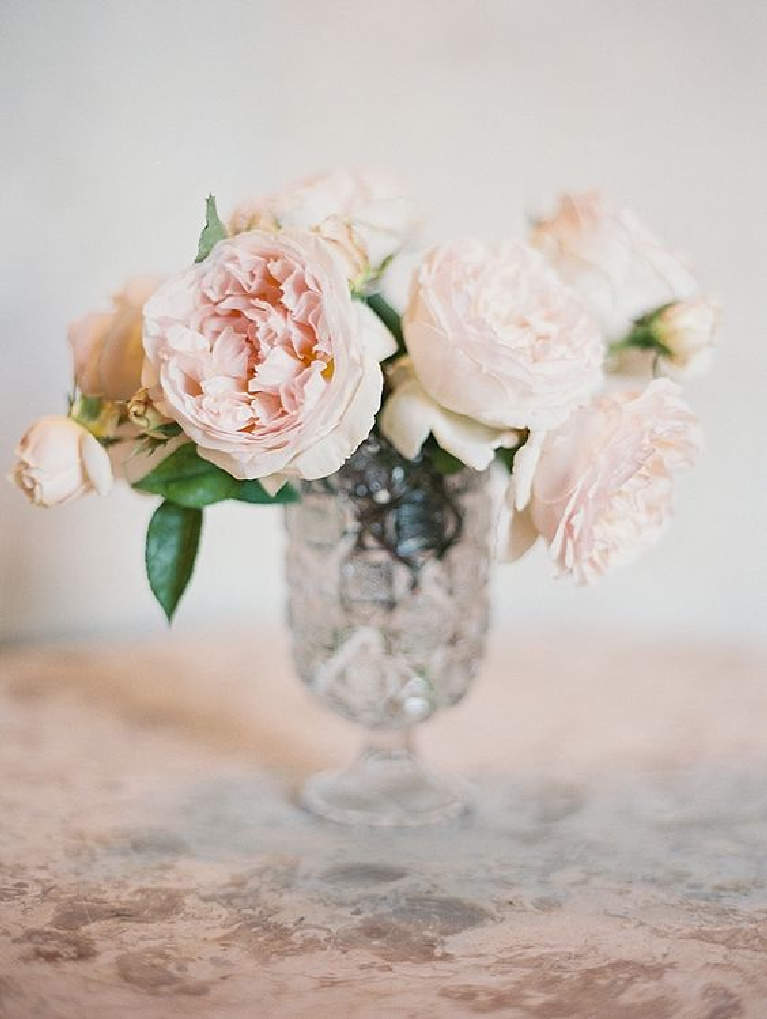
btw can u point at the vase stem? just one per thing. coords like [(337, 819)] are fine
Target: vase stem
[(392, 744), (385, 786)]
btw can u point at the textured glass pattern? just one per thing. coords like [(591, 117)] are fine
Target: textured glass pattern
[(387, 565)]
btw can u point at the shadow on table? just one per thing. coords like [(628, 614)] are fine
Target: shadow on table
[(697, 833)]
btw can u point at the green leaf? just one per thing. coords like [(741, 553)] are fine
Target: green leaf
[(213, 231), (442, 461), (506, 455), (254, 492), (147, 444), (187, 480), (651, 316), (169, 431), (172, 540)]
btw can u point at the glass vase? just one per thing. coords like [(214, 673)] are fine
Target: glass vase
[(388, 567)]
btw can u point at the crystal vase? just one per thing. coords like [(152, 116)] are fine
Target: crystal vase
[(388, 565)]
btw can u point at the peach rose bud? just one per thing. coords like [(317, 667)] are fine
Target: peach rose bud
[(107, 347), (687, 330), (58, 461), (144, 415)]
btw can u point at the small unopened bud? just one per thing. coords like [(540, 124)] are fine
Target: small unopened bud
[(686, 329), (146, 417)]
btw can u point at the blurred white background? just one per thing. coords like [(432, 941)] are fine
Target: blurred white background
[(119, 117)]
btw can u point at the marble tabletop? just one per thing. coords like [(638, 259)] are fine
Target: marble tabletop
[(153, 862)]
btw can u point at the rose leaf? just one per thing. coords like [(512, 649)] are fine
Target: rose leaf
[(255, 493), (185, 479), (172, 540), (213, 231)]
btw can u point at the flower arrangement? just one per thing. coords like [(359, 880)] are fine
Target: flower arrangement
[(275, 354)]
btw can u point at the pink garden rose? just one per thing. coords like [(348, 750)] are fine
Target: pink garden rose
[(106, 346), (364, 215), (58, 461), (604, 480), (617, 266), (495, 335), (263, 358)]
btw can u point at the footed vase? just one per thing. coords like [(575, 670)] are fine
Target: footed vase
[(388, 566)]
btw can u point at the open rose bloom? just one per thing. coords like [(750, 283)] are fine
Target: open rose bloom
[(262, 357), (604, 480), (617, 265), (364, 216), (107, 347), (495, 335), (272, 357)]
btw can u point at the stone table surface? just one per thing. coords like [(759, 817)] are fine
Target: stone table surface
[(153, 863)]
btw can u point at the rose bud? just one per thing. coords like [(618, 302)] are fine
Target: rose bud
[(687, 330), (145, 416), (58, 461)]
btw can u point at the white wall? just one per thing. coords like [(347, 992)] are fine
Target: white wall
[(119, 117)]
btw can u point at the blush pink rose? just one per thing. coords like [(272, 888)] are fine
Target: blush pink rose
[(614, 262), (603, 483), (364, 215), (495, 335), (107, 348), (58, 461), (263, 358)]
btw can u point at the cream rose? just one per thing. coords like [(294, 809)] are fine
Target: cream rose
[(263, 358), (106, 346), (410, 415), (58, 461), (604, 480), (494, 335), (618, 267), (687, 330), (364, 215)]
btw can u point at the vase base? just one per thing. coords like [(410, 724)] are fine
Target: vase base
[(392, 790)]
